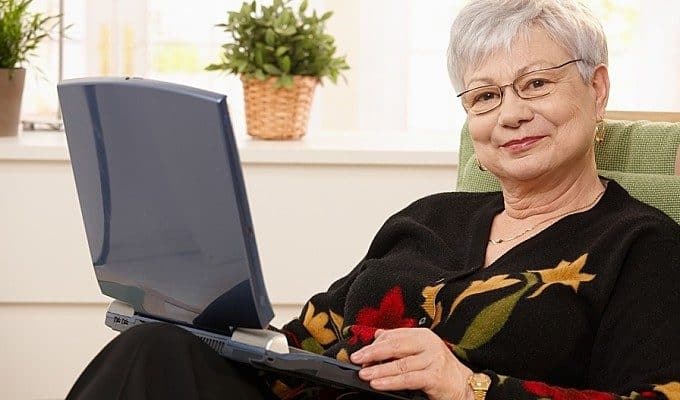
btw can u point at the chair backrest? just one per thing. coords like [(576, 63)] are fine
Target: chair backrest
[(642, 156)]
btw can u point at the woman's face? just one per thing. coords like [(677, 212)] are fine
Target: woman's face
[(525, 139)]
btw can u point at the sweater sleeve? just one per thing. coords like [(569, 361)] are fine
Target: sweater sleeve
[(321, 326), (321, 320), (636, 354)]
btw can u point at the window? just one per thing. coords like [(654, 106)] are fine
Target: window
[(396, 49), (643, 39), (39, 99), (644, 53)]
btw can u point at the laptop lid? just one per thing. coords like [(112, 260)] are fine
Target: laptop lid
[(163, 201)]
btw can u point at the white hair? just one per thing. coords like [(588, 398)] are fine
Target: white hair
[(485, 26)]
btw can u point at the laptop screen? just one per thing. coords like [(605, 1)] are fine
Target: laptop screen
[(163, 201)]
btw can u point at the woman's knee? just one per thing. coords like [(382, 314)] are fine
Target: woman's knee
[(158, 360), (156, 334)]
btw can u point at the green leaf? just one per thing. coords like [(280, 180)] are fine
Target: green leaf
[(271, 69), (492, 318), (287, 17), (281, 50), (214, 67), (259, 75), (240, 64), (285, 64), (270, 37), (326, 15), (312, 345), (245, 9), (286, 81), (259, 58), (303, 6), (287, 31)]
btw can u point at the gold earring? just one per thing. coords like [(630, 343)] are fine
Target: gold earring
[(599, 132), (479, 165)]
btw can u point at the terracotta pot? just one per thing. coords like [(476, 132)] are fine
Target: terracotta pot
[(11, 91)]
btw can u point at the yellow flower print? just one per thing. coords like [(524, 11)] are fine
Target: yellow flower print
[(316, 325), (671, 390), (567, 273), (342, 356), (437, 315), (430, 295), (434, 311), (477, 287), (280, 389)]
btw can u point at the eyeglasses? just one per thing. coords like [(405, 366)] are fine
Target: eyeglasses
[(531, 85)]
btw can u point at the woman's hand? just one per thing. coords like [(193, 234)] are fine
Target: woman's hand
[(413, 359)]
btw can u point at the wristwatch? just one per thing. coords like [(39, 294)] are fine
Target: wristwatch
[(480, 385)]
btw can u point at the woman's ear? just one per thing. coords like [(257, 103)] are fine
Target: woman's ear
[(600, 83)]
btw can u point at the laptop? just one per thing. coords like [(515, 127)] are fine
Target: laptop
[(168, 224)]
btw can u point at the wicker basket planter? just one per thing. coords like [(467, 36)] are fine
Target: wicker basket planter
[(278, 113)]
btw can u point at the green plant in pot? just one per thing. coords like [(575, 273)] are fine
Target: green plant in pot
[(21, 31), (281, 54)]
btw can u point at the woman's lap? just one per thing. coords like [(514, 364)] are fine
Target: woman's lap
[(162, 361)]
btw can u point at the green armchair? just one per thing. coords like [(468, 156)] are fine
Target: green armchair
[(642, 156)]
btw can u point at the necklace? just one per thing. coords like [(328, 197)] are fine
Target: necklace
[(531, 228)]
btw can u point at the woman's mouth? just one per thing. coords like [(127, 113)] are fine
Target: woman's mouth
[(519, 145)]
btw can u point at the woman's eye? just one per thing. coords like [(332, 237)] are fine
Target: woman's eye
[(485, 96), (536, 84)]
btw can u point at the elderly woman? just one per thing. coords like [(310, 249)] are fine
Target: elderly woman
[(561, 286)]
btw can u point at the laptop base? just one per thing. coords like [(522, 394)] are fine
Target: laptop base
[(265, 350)]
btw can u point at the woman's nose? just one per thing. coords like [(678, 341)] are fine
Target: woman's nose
[(513, 109)]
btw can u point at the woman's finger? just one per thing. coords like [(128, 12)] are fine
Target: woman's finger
[(414, 380), (389, 347), (395, 367)]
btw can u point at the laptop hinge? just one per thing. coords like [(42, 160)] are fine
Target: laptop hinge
[(268, 340), (121, 308)]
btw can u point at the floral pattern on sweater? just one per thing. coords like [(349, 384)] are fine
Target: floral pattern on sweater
[(576, 312)]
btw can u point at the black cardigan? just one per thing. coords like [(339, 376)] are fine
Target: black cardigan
[(591, 303)]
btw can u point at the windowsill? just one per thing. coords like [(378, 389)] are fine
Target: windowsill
[(352, 148)]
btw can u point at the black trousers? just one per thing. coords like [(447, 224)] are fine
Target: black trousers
[(162, 361)]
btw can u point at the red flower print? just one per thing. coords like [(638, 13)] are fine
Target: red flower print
[(556, 393), (389, 315), (361, 333)]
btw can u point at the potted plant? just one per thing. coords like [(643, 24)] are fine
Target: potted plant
[(21, 31), (281, 54)]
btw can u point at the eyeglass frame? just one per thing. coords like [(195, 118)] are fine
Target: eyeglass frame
[(514, 89)]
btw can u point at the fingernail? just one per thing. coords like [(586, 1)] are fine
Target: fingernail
[(357, 357)]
